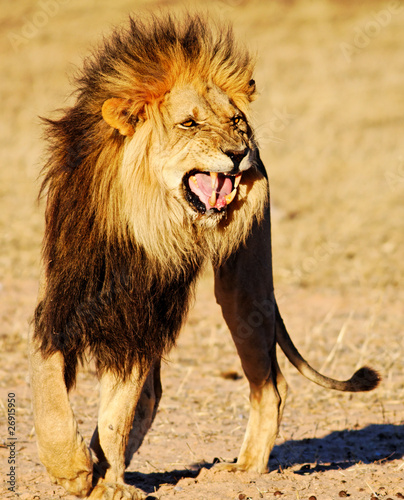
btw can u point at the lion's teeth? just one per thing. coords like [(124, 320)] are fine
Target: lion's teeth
[(212, 199), (194, 180), (214, 181), (230, 197), (237, 180)]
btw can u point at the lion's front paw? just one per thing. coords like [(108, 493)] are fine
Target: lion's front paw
[(80, 486), (115, 491)]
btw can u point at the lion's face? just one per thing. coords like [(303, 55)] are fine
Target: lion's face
[(206, 148)]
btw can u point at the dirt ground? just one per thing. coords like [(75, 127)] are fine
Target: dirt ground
[(330, 124)]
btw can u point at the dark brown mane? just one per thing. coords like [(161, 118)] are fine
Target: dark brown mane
[(97, 281)]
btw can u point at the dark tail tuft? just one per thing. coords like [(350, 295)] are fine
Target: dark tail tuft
[(365, 379)]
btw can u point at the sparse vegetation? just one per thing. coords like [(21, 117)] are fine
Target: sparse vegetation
[(330, 130)]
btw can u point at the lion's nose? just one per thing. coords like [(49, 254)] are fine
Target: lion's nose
[(236, 157)]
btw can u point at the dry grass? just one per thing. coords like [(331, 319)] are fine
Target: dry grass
[(329, 122)]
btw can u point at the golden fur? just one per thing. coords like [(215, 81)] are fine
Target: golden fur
[(138, 167), (153, 172)]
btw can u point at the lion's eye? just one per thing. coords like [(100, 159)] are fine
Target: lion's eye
[(189, 123), (236, 120)]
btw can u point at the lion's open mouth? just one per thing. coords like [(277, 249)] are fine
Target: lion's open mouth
[(210, 190)]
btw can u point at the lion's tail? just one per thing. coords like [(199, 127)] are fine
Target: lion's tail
[(365, 379)]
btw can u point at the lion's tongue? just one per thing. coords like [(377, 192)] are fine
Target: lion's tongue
[(215, 191)]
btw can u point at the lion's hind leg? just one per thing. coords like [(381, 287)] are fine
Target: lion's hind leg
[(244, 290), (267, 400), (61, 448), (266, 407)]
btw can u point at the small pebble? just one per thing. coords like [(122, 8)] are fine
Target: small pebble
[(278, 494), (312, 497), (231, 375), (343, 494), (242, 496)]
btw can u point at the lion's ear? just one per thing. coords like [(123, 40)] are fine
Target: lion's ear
[(115, 112), (252, 90)]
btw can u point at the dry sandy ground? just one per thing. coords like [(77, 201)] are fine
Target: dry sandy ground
[(330, 124)]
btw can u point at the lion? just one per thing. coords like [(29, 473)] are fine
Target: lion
[(152, 173)]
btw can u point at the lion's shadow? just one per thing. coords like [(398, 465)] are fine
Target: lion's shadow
[(338, 450), (341, 449), (150, 483)]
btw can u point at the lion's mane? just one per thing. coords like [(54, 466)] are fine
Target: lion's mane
[(120, 258)]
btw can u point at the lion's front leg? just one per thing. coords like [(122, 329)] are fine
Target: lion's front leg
[(244, 290), (61, 447), (117, 409), (146, 410)]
